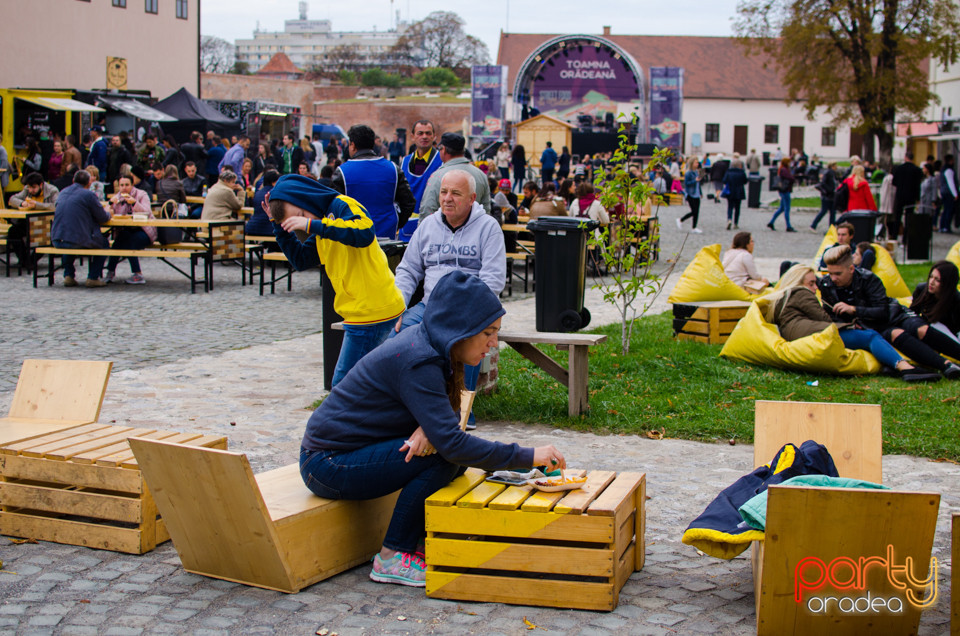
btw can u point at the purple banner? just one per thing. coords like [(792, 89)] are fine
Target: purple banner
[(666, 106), (586, 80), (488, 100)]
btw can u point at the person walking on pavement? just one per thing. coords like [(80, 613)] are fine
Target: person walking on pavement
[(786, 189), (548, 161), (948, 194), (691, 188)]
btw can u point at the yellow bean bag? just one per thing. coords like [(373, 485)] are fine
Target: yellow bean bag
[(756, 341), (884, 267), (704, 280), (954, 255)]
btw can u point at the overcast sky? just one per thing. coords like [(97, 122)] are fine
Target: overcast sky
[(233, 19)]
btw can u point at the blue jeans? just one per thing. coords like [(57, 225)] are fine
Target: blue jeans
[(947, 203), (377, 470), (870, 340), (129, 238), (826, 206), (783, 209), (94, 269), (414, 316), (358, 341)]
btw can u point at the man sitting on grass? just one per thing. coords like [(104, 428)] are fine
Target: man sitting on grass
[(342, 239)]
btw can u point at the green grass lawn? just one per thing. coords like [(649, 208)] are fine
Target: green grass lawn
[(685, 390), (800, 202)]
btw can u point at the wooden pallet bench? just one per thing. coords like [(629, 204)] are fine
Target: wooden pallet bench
[(493, 543), (54, 395), (575, 376), (192, 251), (830, 523), (709, 322), (83, 486), (266, 530)]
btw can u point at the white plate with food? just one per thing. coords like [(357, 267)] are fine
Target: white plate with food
[(558, 484)]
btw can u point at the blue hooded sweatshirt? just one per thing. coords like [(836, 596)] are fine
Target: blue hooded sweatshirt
[(402, 384)]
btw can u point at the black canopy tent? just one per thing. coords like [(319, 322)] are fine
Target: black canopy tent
[(194, 114)]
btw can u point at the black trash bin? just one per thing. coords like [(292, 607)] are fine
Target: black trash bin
[(560, 270), (774, 179), (333, 340), (754, 188), (918, 233), (864, 225), (766, 157)]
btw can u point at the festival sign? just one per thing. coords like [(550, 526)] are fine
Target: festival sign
[(586, 80), (666, 106), (488, 100)]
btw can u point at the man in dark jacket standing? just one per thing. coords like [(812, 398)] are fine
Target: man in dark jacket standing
[(76, 224), (194, 151), (376, 182), (907, 178)]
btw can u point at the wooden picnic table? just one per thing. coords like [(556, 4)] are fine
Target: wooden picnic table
[(39, 224)]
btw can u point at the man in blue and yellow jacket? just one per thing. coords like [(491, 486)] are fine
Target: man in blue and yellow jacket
[(343, 240)]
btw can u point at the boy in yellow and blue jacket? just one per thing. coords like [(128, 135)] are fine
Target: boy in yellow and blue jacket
[(343, 240)]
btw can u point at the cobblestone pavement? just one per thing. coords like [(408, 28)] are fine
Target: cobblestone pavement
[(235, 364)]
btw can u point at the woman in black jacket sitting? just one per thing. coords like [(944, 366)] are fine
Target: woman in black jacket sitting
[(937, 301)]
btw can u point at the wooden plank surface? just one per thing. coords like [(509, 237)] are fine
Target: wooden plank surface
[(519, 557), (545, 501), (612, 498), (15, 429), (73, 474), (110, 438), (544, 337), (217, 442), (481, 495), (577, 501), (511, 498), (842, 523), (15, 448), (504, 589), (60, 390), (451, 493), (520, 524), (851, 432), (72, 502), (115, 454)]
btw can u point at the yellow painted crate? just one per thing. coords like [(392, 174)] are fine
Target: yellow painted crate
[(82, 486), (507, 544), (709, 322)]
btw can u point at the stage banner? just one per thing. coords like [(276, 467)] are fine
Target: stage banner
[(488, 99), (666, 106)]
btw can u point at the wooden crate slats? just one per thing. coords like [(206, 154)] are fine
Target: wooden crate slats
[(709, 322), (13, 429), (536, 525), (511, 498), (67, 452), (640, 524), (115, 454), (91, 535), (611, 499), (18, 447), (69, 473), (481, 495), (505, 589), (519, 557), (545, 501), (205, 441), (451, 493), (80, 503), (577, 501)]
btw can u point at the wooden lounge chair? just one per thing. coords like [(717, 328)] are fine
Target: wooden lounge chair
[(830, 523), (54, 395), (266, 530)]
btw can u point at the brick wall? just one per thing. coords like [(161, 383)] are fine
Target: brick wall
[(386, 116)]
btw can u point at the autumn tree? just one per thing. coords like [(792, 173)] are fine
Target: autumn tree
[(863, 61), (440, 41), (216, 55)]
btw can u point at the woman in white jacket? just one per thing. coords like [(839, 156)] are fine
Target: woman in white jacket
[(587, 204)]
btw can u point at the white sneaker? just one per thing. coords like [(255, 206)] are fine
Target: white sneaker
[(697, 230), (679, 224), (136, 279), (108, 277)]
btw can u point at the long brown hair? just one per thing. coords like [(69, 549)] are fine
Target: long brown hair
[(455, 383), (935, 308)]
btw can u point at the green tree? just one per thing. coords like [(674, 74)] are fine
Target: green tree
[(441, 77), (439, 40), (347, 78), (378, 77), (861, 60)]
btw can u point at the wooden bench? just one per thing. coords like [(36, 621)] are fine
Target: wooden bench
[(54, 395), (709, 322), (273, 258), (177, 250), (493, 543), (266, 530), (254, 248), (575, 376), (83, 486), (512, 258), (831, 523)]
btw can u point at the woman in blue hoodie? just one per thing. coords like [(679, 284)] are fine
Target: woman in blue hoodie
[(392, 423)]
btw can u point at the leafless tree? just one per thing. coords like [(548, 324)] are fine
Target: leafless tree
[(216, 54), (440, 41)]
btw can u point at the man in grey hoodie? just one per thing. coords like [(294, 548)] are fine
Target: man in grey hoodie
[(462, 237)]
